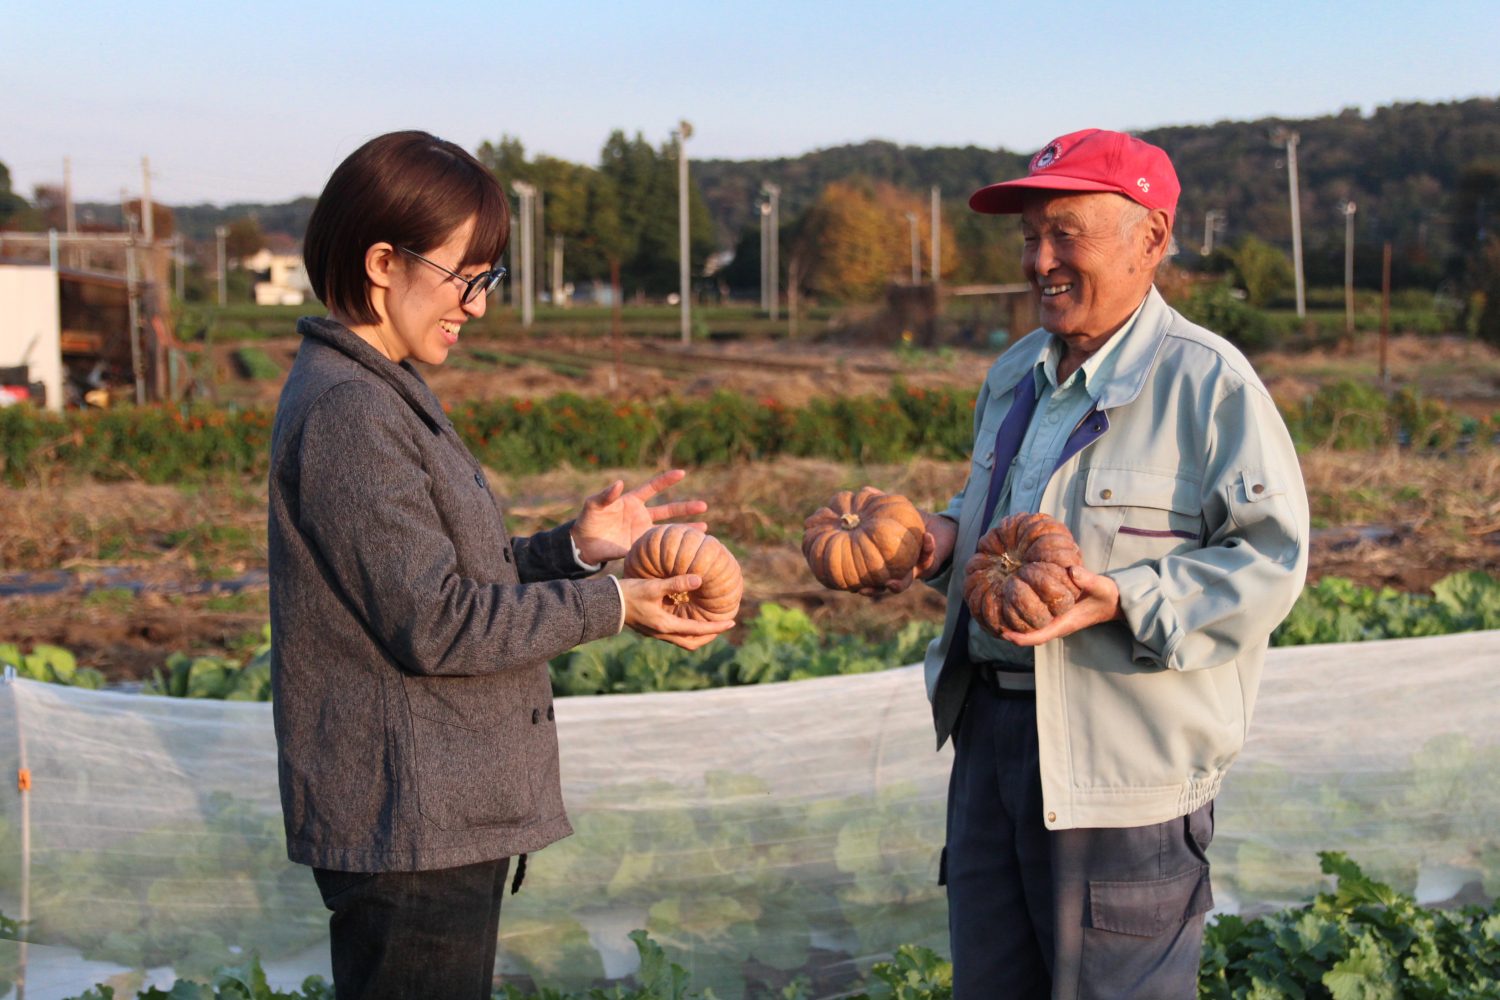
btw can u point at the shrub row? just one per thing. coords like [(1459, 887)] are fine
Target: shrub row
[(155, 444), (164, 444), (1253, 329)]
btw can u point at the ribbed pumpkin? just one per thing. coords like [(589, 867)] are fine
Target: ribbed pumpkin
[(1018, 579), (674, 549), (863, 539)]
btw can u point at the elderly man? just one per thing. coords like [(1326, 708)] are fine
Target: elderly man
[(1087, 754)]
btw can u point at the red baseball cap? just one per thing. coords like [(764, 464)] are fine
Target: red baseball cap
[(1090, 160)]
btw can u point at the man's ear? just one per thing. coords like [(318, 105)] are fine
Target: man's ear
[(1157, 235), (380, 258)]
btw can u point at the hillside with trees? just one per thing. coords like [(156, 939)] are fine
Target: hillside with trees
[(1425, 177)]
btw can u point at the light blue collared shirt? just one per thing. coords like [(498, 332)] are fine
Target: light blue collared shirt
[(1060, 408)]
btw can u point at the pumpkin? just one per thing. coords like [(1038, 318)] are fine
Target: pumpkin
[(669, 550), (1018, 578), (863, 539)]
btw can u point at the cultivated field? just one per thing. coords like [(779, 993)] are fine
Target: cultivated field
[(124, 573)]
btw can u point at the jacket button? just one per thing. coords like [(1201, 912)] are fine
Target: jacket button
[(536, 716), (1106, 494), (479, 479), (1052, 817), (550, 716), (1258, 488), (505, 551)]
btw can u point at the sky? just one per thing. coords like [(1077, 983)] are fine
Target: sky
[(259, 102)]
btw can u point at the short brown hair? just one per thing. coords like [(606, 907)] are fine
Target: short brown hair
[(409, 189)]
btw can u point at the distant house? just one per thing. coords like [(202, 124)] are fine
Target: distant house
[(283, 278)]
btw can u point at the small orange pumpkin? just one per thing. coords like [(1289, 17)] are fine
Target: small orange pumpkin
[(863, 539), (1018, 578), (669, 550)]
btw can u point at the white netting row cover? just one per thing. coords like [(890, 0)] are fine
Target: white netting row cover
[(757, 832)]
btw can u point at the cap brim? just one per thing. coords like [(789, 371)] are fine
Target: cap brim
[(1005, 198)]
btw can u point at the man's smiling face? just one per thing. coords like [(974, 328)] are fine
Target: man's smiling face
[(1090, 275)]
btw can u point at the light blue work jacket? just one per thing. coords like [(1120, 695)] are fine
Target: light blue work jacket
[(1183, 486)]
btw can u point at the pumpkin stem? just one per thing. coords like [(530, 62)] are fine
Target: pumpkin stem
[(849, 522), (680, 597), (1009, 563)]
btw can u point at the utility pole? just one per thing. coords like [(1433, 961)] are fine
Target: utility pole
[(70, 223), (137, 365), (937, 235), (527, 195), (557, 269), (1213, 223), (148, 223), (177, 258), (916, 252), (682, 135), (1349, 268), (539, 240), (219, 233), (773, 242), (793, 282), (68, 213), (765, 257), (1291, 139)]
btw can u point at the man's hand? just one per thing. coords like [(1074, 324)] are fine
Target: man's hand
[(937, 548), (613, 519), (1099, 602)]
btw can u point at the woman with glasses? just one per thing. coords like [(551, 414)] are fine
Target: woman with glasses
[(414, 721)]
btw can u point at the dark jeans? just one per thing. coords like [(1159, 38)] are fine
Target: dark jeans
[(402, 935), (1067, 914)]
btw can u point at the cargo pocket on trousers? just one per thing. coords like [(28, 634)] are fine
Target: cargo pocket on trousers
[(1150, 909)]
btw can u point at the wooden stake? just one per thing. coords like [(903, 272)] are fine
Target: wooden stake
[(1385, 309)]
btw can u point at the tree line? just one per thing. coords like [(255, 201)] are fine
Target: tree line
[(1423, 177)]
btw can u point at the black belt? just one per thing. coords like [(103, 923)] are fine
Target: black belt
[(1007, 680)]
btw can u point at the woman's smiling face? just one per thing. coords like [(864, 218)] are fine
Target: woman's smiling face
[(423, 305)]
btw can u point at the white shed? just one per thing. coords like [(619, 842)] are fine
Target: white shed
[(31, 326)]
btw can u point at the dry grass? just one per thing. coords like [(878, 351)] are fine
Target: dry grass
[(1384, 518), (748, 503), (1424, 517), (1458, 495), (207, 530)]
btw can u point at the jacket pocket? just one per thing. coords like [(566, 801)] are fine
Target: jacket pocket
[(1135, 516), (1150, 909), (484, 750)]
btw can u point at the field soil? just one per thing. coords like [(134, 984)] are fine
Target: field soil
[(484, 368), (124, 574)]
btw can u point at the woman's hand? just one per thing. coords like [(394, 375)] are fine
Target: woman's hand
[(1098, 602), (937, 548), (614, 518), (645, 613)]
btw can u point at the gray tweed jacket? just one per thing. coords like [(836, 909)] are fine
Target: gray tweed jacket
[(413, 709)]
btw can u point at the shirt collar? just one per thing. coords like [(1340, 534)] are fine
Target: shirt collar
[(1096, 370)]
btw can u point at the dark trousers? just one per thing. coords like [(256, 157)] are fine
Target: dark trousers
[(402, 935), (1067, 914)]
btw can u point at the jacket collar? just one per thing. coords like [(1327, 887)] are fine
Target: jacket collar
[(403, 378), (1133, 363)]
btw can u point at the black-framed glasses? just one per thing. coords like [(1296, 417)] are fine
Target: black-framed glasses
[(481, 284)]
